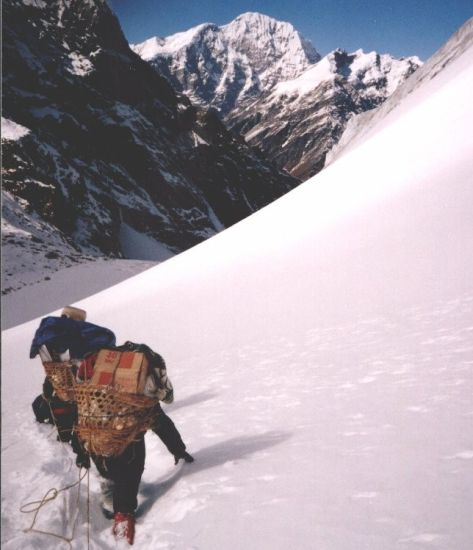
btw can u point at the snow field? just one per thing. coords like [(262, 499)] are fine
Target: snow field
[(340, 434)]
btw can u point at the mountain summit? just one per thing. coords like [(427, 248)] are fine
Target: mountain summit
[(270, 84), (223, 66), (273, 48)]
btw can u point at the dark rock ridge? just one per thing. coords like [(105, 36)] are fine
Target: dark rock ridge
[(95, 141), (271, 85)]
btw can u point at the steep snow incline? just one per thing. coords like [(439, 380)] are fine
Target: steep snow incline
[(323, 367), (365, 124)]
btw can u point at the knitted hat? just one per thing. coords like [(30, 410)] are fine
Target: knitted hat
[(74, 313)]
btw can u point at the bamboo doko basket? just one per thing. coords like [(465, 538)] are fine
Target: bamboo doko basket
[(62, 379), (109, 420)]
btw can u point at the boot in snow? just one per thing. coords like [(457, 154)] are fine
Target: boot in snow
[(106, 497), (124, 526)]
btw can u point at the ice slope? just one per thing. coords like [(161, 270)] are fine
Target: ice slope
[(365, 124), (322, 356)]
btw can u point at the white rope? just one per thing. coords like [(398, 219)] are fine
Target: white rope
[(52, 494)]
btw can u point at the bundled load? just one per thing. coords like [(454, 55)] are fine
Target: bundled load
[(121, 387), (61, 376), (61, 342), (112, 406)]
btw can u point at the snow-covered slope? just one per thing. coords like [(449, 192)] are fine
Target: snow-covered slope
[(323, 367), (270, 84)]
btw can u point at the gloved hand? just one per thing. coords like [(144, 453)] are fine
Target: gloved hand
[(186, 456), (83, 461)]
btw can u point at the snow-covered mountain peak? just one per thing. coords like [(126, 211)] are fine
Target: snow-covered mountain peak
[(371, 72), (372, 68), (251, 21), (271, 85), (171, 45), (275, 49), (224, 66), (254, 32), (149, 48), (253, 18)]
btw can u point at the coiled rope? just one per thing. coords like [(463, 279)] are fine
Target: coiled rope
[(36, 505)]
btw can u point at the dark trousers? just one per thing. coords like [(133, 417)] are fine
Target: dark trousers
[(125, 471)]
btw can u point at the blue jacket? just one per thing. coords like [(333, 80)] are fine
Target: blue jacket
[(79, 337)]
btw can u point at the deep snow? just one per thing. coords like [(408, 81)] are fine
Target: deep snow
[(322, 356)]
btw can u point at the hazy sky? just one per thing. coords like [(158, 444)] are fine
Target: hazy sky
[(400, 27)]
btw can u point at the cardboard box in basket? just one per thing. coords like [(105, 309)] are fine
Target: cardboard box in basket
[(125, 371)]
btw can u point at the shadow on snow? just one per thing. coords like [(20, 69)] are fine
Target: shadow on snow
[(233, 449)]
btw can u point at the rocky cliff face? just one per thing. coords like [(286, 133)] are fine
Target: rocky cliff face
[(270, 84), (99, 149)]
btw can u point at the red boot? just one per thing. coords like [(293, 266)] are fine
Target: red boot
[(124, 526)]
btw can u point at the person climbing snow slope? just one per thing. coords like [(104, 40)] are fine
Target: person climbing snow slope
[(70, 338), (122, 473)]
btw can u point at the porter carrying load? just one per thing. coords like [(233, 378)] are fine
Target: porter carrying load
[(61, 343), (118, 399)]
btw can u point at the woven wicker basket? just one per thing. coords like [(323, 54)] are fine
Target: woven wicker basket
[(62, 379), (109, 420)]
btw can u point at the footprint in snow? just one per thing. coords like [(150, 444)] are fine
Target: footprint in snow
[(365, 495), (417, 409), (367, 380), (423, 538), (462, 455)]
